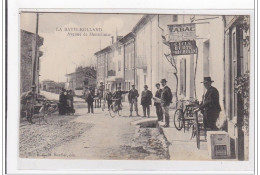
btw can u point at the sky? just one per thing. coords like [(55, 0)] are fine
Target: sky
[(62, 52)]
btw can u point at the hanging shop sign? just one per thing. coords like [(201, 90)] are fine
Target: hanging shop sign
[(182, 32), (183, 47)]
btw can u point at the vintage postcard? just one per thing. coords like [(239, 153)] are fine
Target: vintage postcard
[(98, 86)]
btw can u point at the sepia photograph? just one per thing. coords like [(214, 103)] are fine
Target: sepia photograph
[(133, 86)]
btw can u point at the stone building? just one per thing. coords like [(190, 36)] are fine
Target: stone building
[(27, 56), (110, 65), (51, 86), (80, 79)]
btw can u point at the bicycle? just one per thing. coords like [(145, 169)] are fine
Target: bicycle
[(184, 115), (198, 129), (115, 108)]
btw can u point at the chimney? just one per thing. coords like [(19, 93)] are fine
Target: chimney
[(112, 39)]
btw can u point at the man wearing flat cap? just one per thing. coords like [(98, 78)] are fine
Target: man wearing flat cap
[(132, 98), (210, 105), (166, 99), (146, 100)]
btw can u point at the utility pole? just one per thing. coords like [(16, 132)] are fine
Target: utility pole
[(35, 64)]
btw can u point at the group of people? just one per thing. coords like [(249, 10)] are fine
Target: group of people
[(164, 98), (66, 106), (209, 105)]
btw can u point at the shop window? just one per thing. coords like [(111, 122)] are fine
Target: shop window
[(132, 56), (127, 58), (119, 50), (183, 76), (119, 66)]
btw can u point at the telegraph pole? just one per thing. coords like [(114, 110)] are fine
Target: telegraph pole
[(34, 65), (36, 52)]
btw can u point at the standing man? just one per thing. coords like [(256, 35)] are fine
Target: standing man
[(146, 100), (157, 105), (108, 98), (26, 105), (166, 98), (132, 98), (210, 105), (90, 100)]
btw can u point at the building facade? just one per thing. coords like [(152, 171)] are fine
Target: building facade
[(151, 65), (237, 64), (128, 46), (51, 86), (208, 60), (82, 78), (110, 66), (222, 44), (29, 74)]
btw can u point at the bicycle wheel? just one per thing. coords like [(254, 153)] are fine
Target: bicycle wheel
[(112, 111), (178, 119), (193, 133), (197, 131)]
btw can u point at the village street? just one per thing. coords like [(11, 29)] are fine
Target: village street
[(171, 59), (91, 136)]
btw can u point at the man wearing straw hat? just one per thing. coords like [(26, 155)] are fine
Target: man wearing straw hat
[(210, 105)]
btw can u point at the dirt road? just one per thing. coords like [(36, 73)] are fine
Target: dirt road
[(92, 136)]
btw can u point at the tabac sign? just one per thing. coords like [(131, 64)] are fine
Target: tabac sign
[(183, 47), (181, 32), (182, 39)]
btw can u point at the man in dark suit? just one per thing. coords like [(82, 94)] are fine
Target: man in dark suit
[(90, 99), (146, 100), (108, 98), (210, 105), (132, 98), (157, 104), (166, 99)]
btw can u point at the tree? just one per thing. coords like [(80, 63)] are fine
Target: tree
[(173, 63), (170, 58), (242, 87)]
